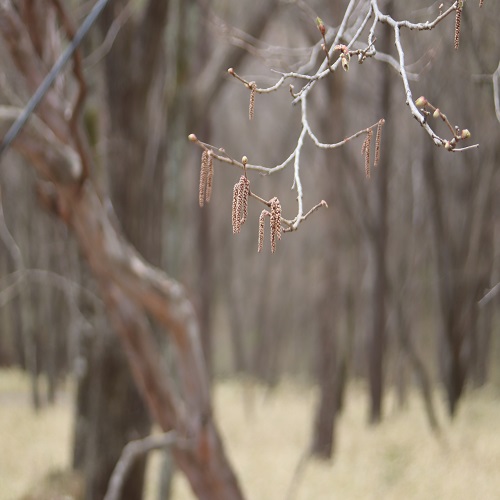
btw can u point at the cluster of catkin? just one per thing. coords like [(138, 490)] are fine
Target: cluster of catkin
[(241, 193), (274, 224)]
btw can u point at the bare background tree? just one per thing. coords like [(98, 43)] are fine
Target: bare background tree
[(384, 285)]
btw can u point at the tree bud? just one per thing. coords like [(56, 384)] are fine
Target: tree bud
[(321, 26), (421, 102)]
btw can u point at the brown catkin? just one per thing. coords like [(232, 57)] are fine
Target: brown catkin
[(239, 211), (245, 187), (275, 222), (262, 221), (378, 139), (458, 17), (240, 201), (210, 176), (251, 106), (481, 2), (203, 177), (234, 216), (365, 150)]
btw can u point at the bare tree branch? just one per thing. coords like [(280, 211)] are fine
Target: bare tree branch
[(364, 12), (133, 451)]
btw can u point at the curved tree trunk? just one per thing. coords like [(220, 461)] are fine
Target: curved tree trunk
[(134, 292)]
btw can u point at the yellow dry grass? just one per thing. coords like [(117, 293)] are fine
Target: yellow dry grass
[(32, 444), (399, 459), (266, 433)]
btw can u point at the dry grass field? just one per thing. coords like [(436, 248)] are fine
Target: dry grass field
[(266, 433)]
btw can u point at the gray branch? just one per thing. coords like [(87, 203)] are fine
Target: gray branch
[(131, 452)]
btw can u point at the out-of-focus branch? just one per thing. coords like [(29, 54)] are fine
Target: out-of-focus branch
[(132, 452), (10, 283), (14, 33), (24, 56), (254, 46), (8, 240), (113, 30), (76, 114), (208, 83), (492, 293), (56, 161), (496, 91)]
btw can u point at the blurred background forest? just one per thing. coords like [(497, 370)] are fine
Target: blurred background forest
[(387, 296)]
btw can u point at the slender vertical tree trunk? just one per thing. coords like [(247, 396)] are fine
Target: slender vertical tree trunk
[(378, 244), (421, 375), (452, 370), (323, 432), (323, 439)]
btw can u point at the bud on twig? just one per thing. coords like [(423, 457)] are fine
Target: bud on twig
[(321, 26), (345, 61), (421, 102), (465, 134)]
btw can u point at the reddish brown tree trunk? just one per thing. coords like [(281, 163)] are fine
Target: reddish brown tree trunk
[(135, 293)]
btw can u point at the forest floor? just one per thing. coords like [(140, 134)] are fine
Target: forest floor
[(266, 433)]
